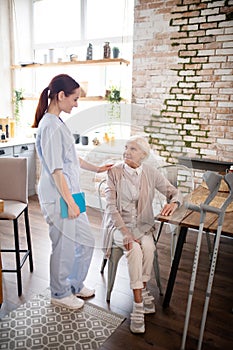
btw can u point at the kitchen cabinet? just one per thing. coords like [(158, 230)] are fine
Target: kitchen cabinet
[(22, 149), (6, 151)]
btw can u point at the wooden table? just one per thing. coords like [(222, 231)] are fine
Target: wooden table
[(186, 219), (204, 163)]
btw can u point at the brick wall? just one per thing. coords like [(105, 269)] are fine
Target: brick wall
[(182, 75)]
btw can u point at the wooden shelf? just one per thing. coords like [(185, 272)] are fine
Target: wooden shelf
[(106, 61), (87, 98)]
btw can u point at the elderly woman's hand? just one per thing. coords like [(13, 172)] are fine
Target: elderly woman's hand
[(169, 209), (128, 239)]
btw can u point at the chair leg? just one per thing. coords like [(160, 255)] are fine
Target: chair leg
[(157, 272), (104, 262), (17, 257), (28, 235), (115, 256)]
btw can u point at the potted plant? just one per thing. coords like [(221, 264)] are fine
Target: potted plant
[(114, 95), (114, 98), (115, 52), (17, 100)]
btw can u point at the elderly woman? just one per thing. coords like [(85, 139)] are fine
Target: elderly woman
[(129, 220)]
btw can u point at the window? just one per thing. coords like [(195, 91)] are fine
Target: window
[(56, 21), (76, 21), (106, 18), (65, 27)]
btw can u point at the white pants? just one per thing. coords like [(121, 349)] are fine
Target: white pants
[(140, 258), (72, 249)]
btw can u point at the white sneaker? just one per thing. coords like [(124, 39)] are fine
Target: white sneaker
[(148, 302), (137, 324), (85, 293), (71, 302)]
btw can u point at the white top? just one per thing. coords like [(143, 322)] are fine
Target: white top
[(129, 198)]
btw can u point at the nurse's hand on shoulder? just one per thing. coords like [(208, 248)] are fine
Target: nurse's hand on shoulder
[(73, 211), (103, 168)]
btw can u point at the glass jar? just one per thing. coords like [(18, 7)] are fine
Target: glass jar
[(107, 50)]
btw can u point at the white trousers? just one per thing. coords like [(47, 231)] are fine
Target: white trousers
[(140, 258), (72, 249)]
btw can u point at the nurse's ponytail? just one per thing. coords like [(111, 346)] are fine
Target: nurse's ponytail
[(61, 82), (41, 107)]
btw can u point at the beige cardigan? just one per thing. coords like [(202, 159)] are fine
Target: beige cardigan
[(151, 180)]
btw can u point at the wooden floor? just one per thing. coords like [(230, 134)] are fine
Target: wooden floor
[(164, 329)]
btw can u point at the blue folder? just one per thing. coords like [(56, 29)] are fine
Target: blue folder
[(79, 199)]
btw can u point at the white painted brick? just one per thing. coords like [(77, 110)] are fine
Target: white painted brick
[(214, 31), (208, 11), (217, 18), (216, 4), (225, 141)]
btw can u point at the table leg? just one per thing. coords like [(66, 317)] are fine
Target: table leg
[(175, 265)]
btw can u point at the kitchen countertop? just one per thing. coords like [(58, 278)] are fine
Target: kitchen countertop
[(17, 141)]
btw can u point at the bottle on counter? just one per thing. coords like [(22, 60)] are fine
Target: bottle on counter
[(3, 137), (7, 131), (106, 137), (11, 123)]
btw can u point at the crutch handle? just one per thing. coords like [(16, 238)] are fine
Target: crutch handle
[(192, 207), (210, 209)]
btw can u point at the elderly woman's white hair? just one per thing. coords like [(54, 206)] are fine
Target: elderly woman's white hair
[(142, 143)]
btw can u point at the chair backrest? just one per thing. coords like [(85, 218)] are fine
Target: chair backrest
[(179, 176), (101, 194), (14, 179)]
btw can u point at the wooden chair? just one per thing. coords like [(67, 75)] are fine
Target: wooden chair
[(14, 192)]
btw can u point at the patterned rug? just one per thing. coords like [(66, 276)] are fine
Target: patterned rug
[(39, 325)]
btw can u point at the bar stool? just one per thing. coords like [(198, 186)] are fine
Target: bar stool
[(14, 192)]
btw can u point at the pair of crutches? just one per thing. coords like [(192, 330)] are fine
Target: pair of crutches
[(213, 182)]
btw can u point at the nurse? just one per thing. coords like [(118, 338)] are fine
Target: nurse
[(72, 240)]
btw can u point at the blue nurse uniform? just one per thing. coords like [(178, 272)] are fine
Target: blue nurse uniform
[(72, 240)]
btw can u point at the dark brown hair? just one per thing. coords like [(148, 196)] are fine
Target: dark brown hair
[(61, 82)]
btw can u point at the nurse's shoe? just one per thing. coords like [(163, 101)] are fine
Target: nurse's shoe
[(85, 293), (70, 302)]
